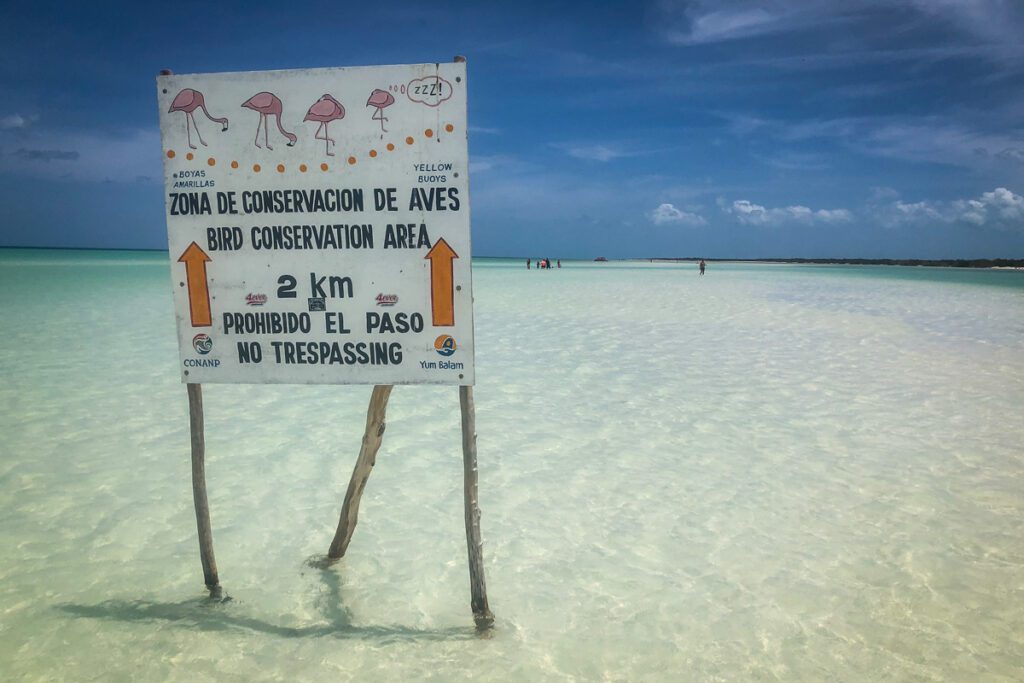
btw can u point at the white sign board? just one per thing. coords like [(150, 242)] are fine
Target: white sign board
[(318, 224)]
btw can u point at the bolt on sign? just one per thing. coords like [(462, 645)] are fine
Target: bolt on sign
[(318, 224)]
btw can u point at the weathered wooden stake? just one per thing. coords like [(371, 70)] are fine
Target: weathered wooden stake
[(372, 437), (195, 419), (477, 585)]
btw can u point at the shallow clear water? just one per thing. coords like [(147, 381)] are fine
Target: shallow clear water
[(770, 472)]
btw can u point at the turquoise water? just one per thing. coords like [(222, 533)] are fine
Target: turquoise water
[(771, 472)]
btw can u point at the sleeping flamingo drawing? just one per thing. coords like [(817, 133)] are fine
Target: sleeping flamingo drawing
[(268, 104), (188, 100), (325, 110), (380, 99)]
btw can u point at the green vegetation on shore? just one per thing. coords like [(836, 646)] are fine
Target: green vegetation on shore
[(942, 263)]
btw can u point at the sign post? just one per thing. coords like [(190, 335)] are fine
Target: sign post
[(477, 585), (372, 437), (195, 419), (319, 230)]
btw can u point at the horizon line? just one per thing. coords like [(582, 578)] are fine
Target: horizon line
[(616, 258)]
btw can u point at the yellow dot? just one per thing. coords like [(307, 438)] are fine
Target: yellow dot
[(391, 148), (408, 141), (170, 154), (280, 168), (256, 168), (449, 128), (429, 133), (373, 153), (234, 164), (211, 161), (323, 167), (302, 168), (351, 161), (189, 156)]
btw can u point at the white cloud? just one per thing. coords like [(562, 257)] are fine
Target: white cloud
[(1014, 154), (793, 161), (725, 24), (13, 121), (922, 139), (994, 23), (880, 193), (748, 213), (85, 155), (707, 21), (928, 141), (592, 152), (988, 27), (1000, 208), (668, 213), (479, 163), (913, 211), (743, 124), (46, 155)]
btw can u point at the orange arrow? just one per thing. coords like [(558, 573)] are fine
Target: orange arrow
[(442, 293), (195, 260)]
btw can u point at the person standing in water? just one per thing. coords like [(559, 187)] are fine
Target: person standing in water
[(527, 264), (702, 266)]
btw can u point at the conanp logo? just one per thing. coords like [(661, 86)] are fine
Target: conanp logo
[(445, 345), (202, 343)]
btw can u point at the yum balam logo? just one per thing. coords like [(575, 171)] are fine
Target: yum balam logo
[(445, 345)]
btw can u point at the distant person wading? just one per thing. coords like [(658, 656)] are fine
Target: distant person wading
[(702, 266)]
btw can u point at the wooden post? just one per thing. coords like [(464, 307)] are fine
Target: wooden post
[(372, 437), (195, 418), (477, 585)]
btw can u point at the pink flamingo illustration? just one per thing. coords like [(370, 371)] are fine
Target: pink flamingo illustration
[(325, 110), (268, 104), (380, 99), (188, 100)]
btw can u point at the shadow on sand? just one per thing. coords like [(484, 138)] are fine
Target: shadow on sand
[(220, 613)]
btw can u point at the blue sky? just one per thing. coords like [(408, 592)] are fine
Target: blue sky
[(863, 128)]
